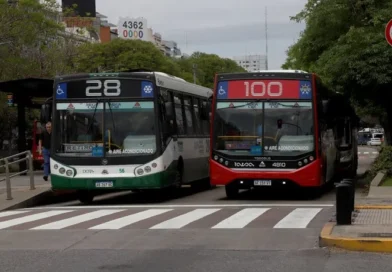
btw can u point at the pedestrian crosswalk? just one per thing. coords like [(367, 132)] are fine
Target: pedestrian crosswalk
[(165, 218)]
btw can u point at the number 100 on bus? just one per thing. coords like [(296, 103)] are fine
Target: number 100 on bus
[(133, 34)]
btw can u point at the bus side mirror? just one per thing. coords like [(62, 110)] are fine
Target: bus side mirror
[(169, 111), (205, 111), (45, 113)]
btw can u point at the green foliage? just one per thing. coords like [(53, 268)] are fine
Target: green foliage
[(207, 65), (344, 43), (33, 45), (383, 161), (123, 55)]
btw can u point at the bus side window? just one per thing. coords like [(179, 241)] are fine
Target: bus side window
[(188, 116), (168, 125), (205, 123), (196, 116), (179, 116)]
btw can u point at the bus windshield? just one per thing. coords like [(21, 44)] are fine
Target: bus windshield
[(277, 128), (129, 129)]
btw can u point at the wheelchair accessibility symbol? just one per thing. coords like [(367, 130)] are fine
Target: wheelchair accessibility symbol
[(59, 90), (221, 91)]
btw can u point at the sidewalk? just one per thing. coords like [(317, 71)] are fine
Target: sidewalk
[(371, 228), (23, 197)]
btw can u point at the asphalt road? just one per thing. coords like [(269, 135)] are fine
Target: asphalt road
[(197, 231)]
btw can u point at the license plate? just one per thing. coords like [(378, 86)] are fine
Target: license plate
[(262, 183), (104, 184)]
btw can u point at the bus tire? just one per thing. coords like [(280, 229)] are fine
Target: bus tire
[(86, 197), (232, 191)]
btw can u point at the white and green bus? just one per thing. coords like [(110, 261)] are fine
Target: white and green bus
[(127, 131)]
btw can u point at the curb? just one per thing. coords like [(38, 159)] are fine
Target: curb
[(373, 207), (355, 244)]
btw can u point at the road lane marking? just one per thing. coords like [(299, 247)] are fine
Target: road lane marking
[(130, 219), (184, 206), (30, 218), (184, 219), (9, 213), (297, 219), (240, 219), (61, 224)]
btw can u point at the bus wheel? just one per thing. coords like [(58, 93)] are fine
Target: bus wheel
[(178, 179), (86, 197), (232, 191)]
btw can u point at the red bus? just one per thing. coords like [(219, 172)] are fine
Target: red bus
[(279, 128)]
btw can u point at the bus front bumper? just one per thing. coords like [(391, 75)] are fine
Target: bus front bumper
[(153, 181), (307, 176)]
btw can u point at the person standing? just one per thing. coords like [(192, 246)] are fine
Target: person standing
[(44, 148)]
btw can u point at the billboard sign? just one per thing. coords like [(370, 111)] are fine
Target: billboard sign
[(132, 28)]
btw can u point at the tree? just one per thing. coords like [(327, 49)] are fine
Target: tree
[(123, 55), (33, 43), (344, 43), (207, 65)]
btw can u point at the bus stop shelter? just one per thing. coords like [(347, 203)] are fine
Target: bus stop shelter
[(25, 94)]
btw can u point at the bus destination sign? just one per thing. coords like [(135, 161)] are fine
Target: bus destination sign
[(104, 88), (264, 89)]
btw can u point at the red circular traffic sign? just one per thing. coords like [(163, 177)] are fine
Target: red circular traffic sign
[(388, 32)]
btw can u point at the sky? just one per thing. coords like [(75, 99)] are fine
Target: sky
[(227, 28)]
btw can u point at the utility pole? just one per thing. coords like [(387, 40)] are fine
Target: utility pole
[(266, 39)]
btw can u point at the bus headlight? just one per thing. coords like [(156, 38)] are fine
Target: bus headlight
[(216, 157), (140, 171), (147, 169), (56, 166), (62, 170), (69, 173)]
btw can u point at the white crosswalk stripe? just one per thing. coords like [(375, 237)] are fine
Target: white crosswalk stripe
[(161, 218), (297, 219), (185, 219), (30, 218), (76, 220), (9, 213), (130, 219), (240, 219)]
